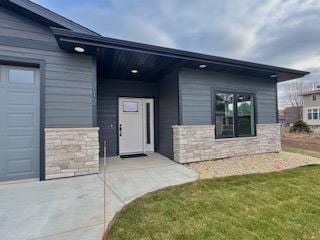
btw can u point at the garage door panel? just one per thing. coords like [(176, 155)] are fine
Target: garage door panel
[(20, 142), (20, 166), (18, 120), (20, 98), (19, 123), (22, 153)]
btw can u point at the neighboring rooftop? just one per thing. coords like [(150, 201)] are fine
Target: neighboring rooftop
[(311, 92)]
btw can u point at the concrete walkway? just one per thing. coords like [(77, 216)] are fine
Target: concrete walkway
[(73, 208)]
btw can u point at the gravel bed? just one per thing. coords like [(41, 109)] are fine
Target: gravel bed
[(259, 163)]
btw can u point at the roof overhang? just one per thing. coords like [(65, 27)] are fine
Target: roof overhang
[(43, 15), (67, 40), (311, 92)]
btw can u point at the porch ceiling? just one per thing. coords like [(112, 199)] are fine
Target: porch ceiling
[(117, 64), (116, 59)]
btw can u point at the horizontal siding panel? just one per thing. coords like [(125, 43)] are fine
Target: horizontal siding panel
[(72, 76), (69, 84), (9, 32), (65, 69), (22, 26), (61, 121), (204, 92), (168, 108), (60, 98), (70, 106), (65, 112), (200, 108), (195, 97), (196, 94), (65, 90), (203, 103)]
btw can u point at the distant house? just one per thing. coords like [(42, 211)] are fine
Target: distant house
[(311, 108)]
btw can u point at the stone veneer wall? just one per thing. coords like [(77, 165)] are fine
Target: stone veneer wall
[(71, 152), (195, 143)]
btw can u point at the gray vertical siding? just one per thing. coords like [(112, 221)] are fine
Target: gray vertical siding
[(108, 92), (195, 94), (168, 108), (69, 95)]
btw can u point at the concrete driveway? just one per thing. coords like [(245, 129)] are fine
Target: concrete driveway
[(72, 208)]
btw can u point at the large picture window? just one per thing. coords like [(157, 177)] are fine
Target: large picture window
[(235, 115)]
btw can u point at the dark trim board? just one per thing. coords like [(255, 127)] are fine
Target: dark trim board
[(36, 63), (94, 92), (277, 103), (29, 43), (179, 99)]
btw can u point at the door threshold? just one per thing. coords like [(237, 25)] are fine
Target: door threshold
[(133, 155)]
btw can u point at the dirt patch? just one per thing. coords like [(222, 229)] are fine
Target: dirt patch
[(251, 164), (309, 142)]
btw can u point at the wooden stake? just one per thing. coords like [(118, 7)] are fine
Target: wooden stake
[(104, 184)]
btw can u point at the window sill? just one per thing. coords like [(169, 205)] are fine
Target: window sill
[(235, 138)]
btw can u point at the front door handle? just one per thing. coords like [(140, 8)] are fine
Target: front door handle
[(120, 130)]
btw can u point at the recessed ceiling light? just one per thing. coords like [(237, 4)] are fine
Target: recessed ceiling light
[(79, 49), (134, 71), (202, 66), (274, 75)]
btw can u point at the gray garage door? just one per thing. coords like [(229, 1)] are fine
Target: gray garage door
[(19, 123)]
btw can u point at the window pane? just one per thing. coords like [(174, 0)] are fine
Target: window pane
[(315, 113), (245, 120), (130, 107), (224, 115), (309, 114), (21, 76), (314, 97), (148, 123)]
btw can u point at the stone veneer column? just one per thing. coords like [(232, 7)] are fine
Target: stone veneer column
[(193, 143), (71, 152)]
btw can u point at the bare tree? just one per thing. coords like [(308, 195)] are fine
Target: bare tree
[(296, 90)]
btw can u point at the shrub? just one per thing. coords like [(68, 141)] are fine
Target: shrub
[(300, 127)]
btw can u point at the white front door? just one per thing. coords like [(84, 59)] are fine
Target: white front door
[(136, 125)]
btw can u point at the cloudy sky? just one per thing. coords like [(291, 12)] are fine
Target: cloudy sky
[(277, 32)]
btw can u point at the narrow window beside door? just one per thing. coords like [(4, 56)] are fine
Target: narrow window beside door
[(148, 122)]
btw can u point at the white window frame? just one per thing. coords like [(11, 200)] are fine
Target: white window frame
[(313, 99), (315, 111)]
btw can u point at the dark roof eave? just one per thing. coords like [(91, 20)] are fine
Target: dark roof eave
[(51, 16), (99, 41)]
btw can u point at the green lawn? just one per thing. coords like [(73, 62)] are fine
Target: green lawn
[(283, 205), (302, 151)]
